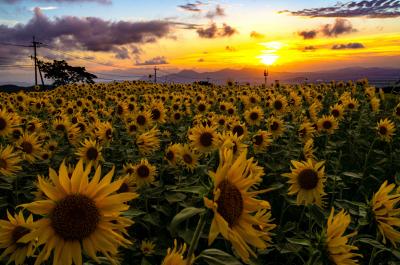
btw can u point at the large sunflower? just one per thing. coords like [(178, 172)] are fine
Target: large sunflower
[(11, 232), (79, 214), (386, 129), (386, 211), (235, 206), (203, 138), (339, 251), (307, 181), (90, 151), (9, 161)]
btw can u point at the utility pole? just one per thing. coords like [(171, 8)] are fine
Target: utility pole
[(265, 77), (35, 45), (155, 74)]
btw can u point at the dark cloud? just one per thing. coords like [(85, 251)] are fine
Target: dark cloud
[(154, 61), (88, 33), (104, 2), (309, 48), (212, 31), (192, 7), (218, 12), (230, 48), (354, 45), (341, 26), (256, 35), (121, 53), (308, 34), (371, 9)]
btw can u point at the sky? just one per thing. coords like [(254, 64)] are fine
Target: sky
[(130, 37)]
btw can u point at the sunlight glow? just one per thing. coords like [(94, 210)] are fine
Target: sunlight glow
[(270, 54)]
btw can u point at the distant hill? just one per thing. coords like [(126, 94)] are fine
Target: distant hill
[(17, 88), (376, 75)]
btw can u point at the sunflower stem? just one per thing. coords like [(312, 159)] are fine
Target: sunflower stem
[(367, 157), (196, 237)]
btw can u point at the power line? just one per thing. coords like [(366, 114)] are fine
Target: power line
[(14, 44)]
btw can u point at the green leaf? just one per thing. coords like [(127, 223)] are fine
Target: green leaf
[(194, 189), (353, 175), (299, 241), (372, 242), (218, 257), (182, 216), (175, 197)]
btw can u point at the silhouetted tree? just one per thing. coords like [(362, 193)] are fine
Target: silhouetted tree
[(62, 73)]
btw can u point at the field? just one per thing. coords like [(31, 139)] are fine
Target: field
[(140, 173)]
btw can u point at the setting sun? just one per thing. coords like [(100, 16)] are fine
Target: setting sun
[(268, 59)]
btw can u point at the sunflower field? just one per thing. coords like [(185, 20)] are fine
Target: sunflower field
[(174, 174)]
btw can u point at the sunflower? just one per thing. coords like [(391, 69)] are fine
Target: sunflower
[(386, 129), (276, 127), (144, 173), (11, 232), (143, 120), (328, 124), (308, 149), (128, 169), (9, 161), (261, 140), (234, 205), (173, 154), (336, 243), (147, 247), (29, 145), (148, 142), (397, 111), (384, 205), (279, 104), (306, 130), (189, 158), (254, 116), (60, 125), (351, 104), (5, 123), (175, 256), (307, 180), (104, 131), (90, 151), (157, 112), (203, 138), (375, 103), (79, 214), (128, 184), (337, 111), (234, 142), (239, 129)]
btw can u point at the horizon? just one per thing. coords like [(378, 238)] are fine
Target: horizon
[(114, 37)]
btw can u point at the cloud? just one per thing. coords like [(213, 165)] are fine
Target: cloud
[(104, 2), (121, 53), (154, 61), (309, 48), (341, 26), (256, 35), (192, 7), (371, 9), (88, 33), (230, 48), (308, 34), (200, 60), (218, 12), (44, 8), (354, 45), (212, 31)]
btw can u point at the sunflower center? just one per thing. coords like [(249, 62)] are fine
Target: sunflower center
[(238, 130), (258, 139), (308, 179), (3, 124), (202, 107), (18, 233), (231, 111), (60, 127), (177, 116), (350, 106), (254, 116), (327, 125), (132, 128), (274, 126), (92, 153), (123, 188), (75, 217), (230, 202), (206, 139), (143, 171), (398, 111), (278, 105), (170, 155), (187, 158), (109, 133), (155, 114), (335, 113), (141, 120), (383, 130), (27, 147)]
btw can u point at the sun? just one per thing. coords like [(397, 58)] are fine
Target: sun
[(268, 59), (270, 53)]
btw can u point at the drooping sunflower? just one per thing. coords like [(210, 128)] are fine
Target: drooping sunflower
[(11, 232), (173, 154), (307, 180), (276, 127), (9, 161), (103, 131), (254, 116), (144, 173), (328, 124), (79, 214), (385, 206), (175, 256), (386, 129), (148, 142), (308, 149), (261, 141), (30, 147), (234, 205), (203, 138), (147, 247), (306, 130), (90, 151), (189, 158)]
